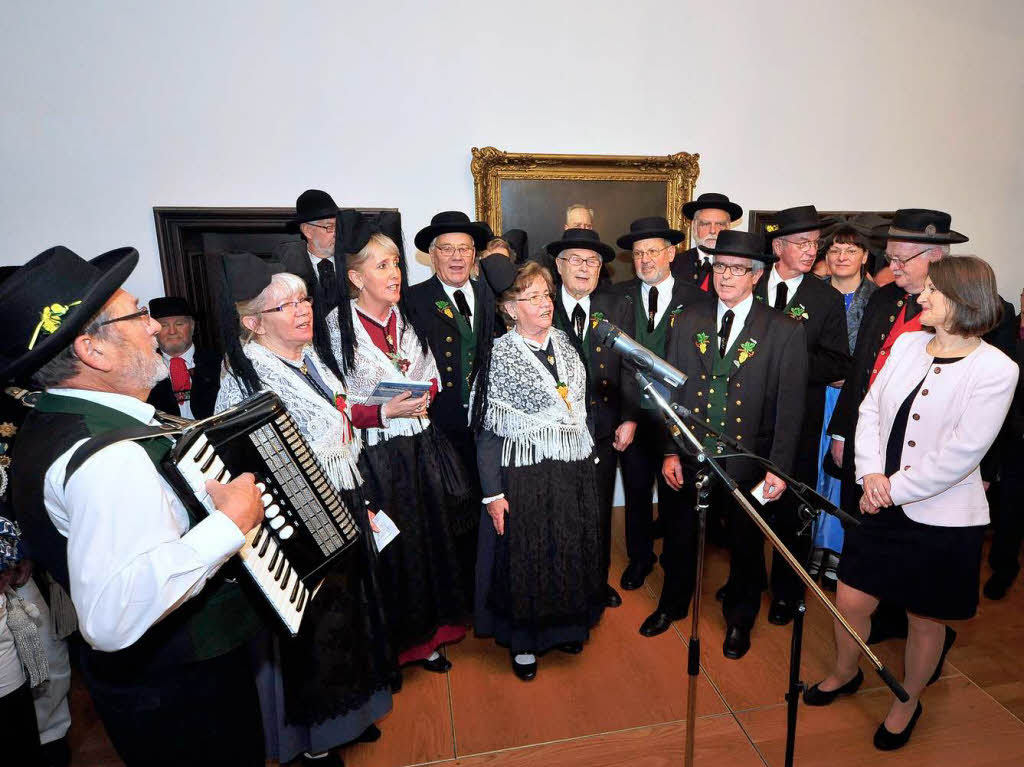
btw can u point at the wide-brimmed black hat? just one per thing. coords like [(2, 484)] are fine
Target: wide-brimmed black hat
[(743, 245), (712, 200), (645, 228), (803, 218), (518, 240), (920, 225), (49, 300), (450, 222), (500, 272), (169, 306), (313, 205), (246, 274), (584, 239)]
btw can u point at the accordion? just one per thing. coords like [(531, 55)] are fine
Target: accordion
[(306, 524)]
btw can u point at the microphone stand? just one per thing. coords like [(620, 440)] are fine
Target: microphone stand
[(685, 439)]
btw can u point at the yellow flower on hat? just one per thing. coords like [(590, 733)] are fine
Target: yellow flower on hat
[(50, 320)]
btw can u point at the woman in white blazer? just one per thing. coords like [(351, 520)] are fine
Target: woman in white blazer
[(925, 424)]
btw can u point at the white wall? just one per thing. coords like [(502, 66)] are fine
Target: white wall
[(111, 108)]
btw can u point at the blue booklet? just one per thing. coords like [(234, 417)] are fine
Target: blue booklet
[(387, 390)]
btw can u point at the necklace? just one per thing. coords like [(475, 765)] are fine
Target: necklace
[(938, 350)]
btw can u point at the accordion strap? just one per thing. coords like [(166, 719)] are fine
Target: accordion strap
[(93, 445)]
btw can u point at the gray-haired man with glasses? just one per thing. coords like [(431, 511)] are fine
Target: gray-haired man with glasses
[(313, 258)]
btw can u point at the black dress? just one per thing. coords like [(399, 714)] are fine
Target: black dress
[(930, 570)]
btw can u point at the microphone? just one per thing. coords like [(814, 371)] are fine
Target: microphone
[(640, 356)]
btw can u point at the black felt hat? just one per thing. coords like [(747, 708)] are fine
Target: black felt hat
[(920, 225), (451, 222), (518, 240), (499, 272), (803, 218), (584, 239), (313, 205), (645, 228), (169, 306), (247, 274), (743, 245), (712, 200), (49, 300)]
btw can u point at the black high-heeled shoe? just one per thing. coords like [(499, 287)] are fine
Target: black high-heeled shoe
[(890, 741), (438, 665), (814, 696)]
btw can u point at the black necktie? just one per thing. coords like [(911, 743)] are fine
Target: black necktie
[(328, 280), (723, 333), (579, 317), (652, 308), (781, 294), (463, 306)]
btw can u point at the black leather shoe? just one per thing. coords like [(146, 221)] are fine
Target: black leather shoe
[(611, 597), (996, 587), (656, 623), (813, 696), (950, 638), (370, 735), (571, 648), (737, 642), (439, 665), (525, 671), (636, 573), (781, 612), (890, 741), (722, 591), (396, 681), (331, 759)]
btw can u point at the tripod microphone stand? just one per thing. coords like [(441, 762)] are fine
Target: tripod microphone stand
[(685, 439)]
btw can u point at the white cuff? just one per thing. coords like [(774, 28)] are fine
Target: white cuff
[(490, 498), (837, 438), (384, 420), (215, 538)]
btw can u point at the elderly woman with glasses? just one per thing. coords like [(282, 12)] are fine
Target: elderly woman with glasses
[(327, 686), (540, 583)]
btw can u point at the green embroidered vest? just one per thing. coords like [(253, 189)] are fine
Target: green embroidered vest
[(717, 408)]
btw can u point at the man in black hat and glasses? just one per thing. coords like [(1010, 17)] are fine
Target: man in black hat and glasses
[(795, 235), (709, 214), (313, 259), (657, 299), (579, 306), (164, 657), (190, 390)]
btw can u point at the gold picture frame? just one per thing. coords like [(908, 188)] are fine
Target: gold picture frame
[(491, 166)]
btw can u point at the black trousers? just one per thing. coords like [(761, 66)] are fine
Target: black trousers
[(1008, 522), (204, 713), (747, 576), (680, 546), (606, 456), (641, 468), (20, 742), (469, 514)]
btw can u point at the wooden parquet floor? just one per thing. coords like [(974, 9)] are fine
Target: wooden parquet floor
[(623, 700)]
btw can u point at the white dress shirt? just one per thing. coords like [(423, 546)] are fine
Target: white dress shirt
[(664, 297), (467, 291), (185, 408), (703, 257), (571, 303), (740, 312), (132, 558), (774, 278)]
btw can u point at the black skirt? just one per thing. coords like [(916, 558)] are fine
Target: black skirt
[(409, 478), (931, 571), (541, 583)]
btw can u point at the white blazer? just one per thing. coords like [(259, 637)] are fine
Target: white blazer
[(953, 421)]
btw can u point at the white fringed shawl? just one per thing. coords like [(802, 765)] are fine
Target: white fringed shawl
[(373, 366), (325, 429), (525, 408)]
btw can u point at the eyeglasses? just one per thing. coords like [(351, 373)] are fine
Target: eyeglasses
[(734, 269), (451, 250), (651, 253), (904, 260), (538, 299), (804, 246), (591, 261), (289, 306), (329, 228), (142, 313), (851, 252)]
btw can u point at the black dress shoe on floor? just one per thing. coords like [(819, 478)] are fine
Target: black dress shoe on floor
[(737, 642), (781, 612), (996, 587), (370, 735), (438, 665), (656, 623), (396, 681), (813, 696), (330, 759), (636, 573), (611, 597), (525, 671), (950, 638), (571, 648), (890, 741)]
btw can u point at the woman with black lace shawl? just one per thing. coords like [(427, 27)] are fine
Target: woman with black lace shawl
[(539, 579), (412, 467), (327, 686)]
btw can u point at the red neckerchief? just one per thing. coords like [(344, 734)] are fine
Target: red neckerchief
[(899, 327)]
